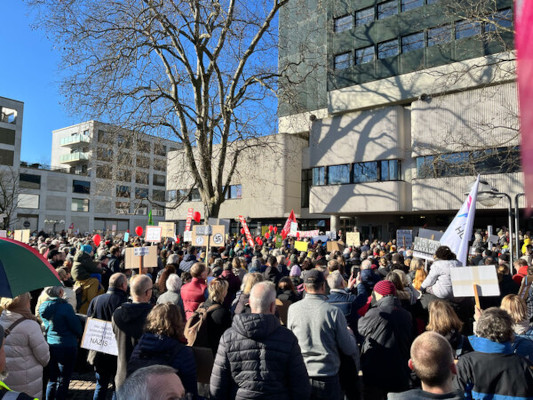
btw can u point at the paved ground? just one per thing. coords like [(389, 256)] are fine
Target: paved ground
[(82, 387)]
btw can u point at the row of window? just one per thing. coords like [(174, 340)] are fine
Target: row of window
[(125, 141), (125, 208), (105, 172), (125, 159), (31, 201), (372, 171), (140, 193), (234, 192), (31, 181), (380, 11), (418, 40), (467, 163)]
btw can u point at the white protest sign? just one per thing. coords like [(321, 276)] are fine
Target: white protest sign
[(425, 248), (322, 238), (3, 233), (153, 234), (484, 276), (141, 251), (353, 238), (187, 236), (294, 229), (332, 235), (98, 335)]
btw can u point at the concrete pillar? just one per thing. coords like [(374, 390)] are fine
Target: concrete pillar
[(335, 223)]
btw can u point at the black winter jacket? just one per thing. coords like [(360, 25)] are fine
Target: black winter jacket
[(388, 333), (259, 359)]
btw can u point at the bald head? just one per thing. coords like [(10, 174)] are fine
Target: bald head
[(263, 298), (432, 360), (118, 280)]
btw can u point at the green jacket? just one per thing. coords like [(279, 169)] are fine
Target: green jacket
[(84, 266)]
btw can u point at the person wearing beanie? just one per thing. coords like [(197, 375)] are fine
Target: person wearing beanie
[(388, 333)]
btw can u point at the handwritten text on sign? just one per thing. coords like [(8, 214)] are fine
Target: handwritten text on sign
[(98, 335)]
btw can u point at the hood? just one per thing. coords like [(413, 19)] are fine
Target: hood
[(82, 257), (152, 343), (131, 312), (485, 345), (189, 257), (49, 307), (255, 326)]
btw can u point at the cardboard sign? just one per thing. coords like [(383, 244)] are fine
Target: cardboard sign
[(425, 248), (301, 246), (187, 236), (168, 229), (404, 238), (484, 276), (22, 235), (98, 335), (132, 261), (353, 239), (189, 219), (153, 234), (218, 235), (141, 251), (334, 246)]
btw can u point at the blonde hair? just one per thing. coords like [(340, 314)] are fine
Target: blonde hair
[(218, 288), (442, 318), (7, 303), (252, 279), (515, 306)]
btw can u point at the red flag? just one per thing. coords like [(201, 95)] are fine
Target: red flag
[(246, 231), (524, 49), (287, 227), (189, 219)]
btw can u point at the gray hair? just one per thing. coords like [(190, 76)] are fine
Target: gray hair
[(173, 283), (137, 387), (117, 280), (366, 264), (173, 259), (496, 325), (335, 280), (53, 291), (262, 295), (139, 284)]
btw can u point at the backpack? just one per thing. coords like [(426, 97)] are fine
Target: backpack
[(146, 359), (196, 327)]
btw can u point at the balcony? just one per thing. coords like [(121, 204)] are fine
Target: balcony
[(74, 158), (71, 141)]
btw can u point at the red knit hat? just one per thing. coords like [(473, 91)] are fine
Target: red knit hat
[(385, 288)]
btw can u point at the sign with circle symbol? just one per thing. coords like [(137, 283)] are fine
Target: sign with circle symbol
[(199, 241), (218, 239)]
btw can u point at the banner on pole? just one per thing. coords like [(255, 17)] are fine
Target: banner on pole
[(246, 231), (190, 211)]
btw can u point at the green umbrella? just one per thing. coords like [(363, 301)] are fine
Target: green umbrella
[(23, 269)]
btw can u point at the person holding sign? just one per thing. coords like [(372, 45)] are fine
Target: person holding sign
[(438, 283)]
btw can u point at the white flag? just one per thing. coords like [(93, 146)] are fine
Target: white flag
[(459, 232)]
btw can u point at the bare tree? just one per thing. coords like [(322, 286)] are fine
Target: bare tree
[(9, 197), (201, 72)]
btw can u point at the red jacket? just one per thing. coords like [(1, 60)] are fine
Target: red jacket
[(193, 294)]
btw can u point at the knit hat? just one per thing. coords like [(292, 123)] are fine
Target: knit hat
[(86, 248), (295, 271), (385, 288)]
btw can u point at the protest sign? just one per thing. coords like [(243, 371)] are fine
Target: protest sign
[(126, 236), (425, 248), (131, 261), (3, 233), (218, 234), (153, 234), (430, 234), (168, 229), (404, 238), (293, 229), (475, 282), (353, 239), (98, 335), (332, 235), (334, 246), (301, 246), (189, 219), (187, 236), (322, 238), (22, 235)]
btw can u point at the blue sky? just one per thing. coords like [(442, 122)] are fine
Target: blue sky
[(29, 73)]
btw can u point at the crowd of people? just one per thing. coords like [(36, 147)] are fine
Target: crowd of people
[(270, 322)]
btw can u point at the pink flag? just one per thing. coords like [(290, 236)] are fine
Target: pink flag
[(524, 48)]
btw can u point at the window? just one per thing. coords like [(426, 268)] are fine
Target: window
[(364, 16), (123, 191), (125, 159), (143, 162), (158, 212), (390, 170), (143, 146), (500, 19), (344, 23), (307, 180), (141, 210), (342, 61), (319, 176), (122, 207), (234, 192), (338, 174), (158, 195), (29, 181), (104, 154), (6, 157), (159, 180), (80, 205), (172, 195), (28, 201), (86, 132), (101, 136), (439, 35), (159, 165), (141, 177), (124, 175), (81, 187), (141, 193), (7, 136), (464, 29), (365, 172), (412, 42), (8, 115), (364, 55), (411, 4), (124, 141), (388, 49), (159, 149), (387, 9), (103, 172)]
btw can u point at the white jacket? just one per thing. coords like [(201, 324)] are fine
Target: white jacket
[(439, 278), (26, 354)]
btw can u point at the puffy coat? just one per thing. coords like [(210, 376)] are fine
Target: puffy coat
[(259, 359), (388, 332), (62, 326), (169, 351), (193, 294), (26, 354), (84, 266), (439, 278)]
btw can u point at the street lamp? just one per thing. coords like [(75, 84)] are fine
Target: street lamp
[(54, 222)]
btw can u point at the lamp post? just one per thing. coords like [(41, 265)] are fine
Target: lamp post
[(54, 222)]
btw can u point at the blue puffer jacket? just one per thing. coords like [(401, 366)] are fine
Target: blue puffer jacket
[(63, 327)]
